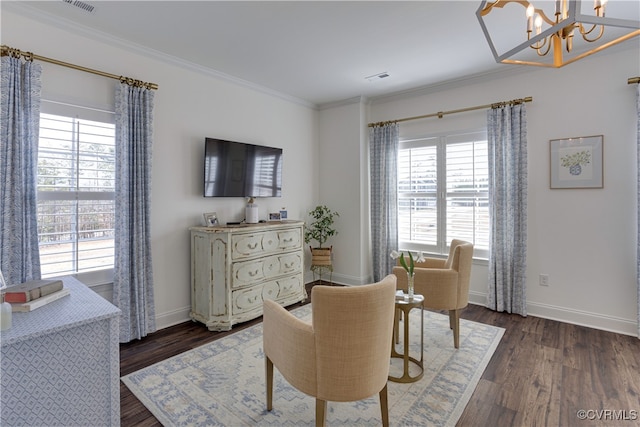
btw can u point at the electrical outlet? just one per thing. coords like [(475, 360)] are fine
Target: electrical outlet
[(544, 280)]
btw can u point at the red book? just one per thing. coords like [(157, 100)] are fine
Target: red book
[(31, 290)]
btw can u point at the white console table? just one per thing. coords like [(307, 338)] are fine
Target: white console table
[(235, 268), (60, 364)]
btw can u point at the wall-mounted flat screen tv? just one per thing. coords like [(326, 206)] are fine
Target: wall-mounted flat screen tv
[(236, 169)]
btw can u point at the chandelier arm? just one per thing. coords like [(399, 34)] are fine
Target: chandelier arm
[(586, 33), (548, 43), (524, 3), (541, 44)]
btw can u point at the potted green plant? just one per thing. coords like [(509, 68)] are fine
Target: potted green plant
[(319, 230)]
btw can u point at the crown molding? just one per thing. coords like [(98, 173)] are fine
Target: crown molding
[(507, 71), (349, 101), (23, 9)]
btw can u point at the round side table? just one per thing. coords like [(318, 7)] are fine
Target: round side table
[(405, 305)]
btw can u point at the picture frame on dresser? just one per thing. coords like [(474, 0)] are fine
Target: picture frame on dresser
[(210, 219)]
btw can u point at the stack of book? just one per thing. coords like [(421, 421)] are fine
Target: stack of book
[(34, 294)]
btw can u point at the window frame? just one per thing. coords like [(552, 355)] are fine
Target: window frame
[(48, 107), (441, 141)]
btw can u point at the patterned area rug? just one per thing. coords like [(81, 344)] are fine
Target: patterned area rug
[(222, 383)]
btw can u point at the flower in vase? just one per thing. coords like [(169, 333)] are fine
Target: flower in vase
[(408, 268)]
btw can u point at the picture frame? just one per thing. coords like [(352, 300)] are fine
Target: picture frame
[(210, 219), (577, 162), (283, 214), (274, 216)]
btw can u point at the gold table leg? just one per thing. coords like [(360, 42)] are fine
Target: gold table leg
[(405, 306)]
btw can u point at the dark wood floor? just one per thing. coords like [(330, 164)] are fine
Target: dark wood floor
[(542, 374)]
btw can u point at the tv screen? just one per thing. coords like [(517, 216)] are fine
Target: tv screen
[(236, 169)]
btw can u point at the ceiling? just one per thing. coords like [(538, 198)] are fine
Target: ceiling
[(316, 52)]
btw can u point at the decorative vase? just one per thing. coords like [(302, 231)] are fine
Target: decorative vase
[(575, 169), (410, 286)]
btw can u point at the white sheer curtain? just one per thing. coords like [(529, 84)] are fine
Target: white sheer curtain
[(507, 137), (133, 273), (383, 155), (20, 90)]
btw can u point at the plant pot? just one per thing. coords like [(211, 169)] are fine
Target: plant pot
[(321, 256)]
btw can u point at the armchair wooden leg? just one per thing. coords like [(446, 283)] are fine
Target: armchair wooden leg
[(384, 407), (454, 321), (321, 410), (396, 325), (269, 376)]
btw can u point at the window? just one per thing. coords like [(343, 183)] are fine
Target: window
[(76, 195), (443, 193)]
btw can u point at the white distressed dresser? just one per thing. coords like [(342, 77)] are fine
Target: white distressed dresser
[(235, 268), (61, 363)]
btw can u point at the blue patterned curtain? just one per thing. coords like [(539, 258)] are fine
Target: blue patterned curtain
[(507, 138), (19, 126), (133, 275), (383, 153)]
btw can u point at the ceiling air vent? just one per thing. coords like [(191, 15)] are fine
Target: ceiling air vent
[(80, 4), (378, 76)]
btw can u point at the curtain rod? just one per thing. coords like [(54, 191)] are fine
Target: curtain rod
[(633, 80), (441, 114), (29, 56)]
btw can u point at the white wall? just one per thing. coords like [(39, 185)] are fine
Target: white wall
[(583, 239), (189, 106), (343, 188)]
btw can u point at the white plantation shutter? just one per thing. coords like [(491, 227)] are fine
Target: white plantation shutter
[(417, 194), (467, 192), (443, 193)]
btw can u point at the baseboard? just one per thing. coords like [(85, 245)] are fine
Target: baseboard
[(172, 318), (337, 278), (572, 316), (545, 311)]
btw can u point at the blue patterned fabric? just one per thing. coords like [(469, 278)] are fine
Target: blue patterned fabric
[(133, 274), (20, 90), (507, 140), (383, 153)]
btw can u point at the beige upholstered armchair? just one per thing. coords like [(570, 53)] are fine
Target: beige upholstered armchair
[(443, 282), (343, 354)]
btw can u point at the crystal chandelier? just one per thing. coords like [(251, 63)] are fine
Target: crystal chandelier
[(555, 33)]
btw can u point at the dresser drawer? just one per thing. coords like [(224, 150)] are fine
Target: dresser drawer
[(248, 299), (289, 286), (245, 273), (251, 298), (263, 243)]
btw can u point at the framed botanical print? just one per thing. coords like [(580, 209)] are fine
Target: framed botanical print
[(577, 162)]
